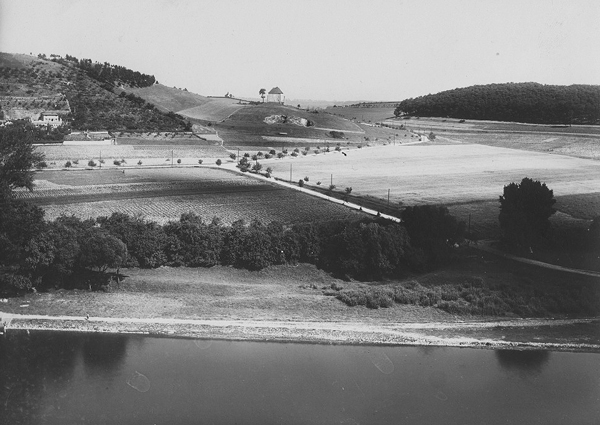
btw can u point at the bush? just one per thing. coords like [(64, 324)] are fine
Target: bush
[(179, 161), (200, 162), (117, 162), (301, 183), (91, 163), (139, 162), (41, 164), (306, 179), (218, 162), (68, 164)]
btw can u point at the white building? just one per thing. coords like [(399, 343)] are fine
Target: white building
[(275, 95)]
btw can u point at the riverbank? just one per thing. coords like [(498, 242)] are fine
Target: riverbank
[(507, 334), (289, 303)]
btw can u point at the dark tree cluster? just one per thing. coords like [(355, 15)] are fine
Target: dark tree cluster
[(517, 102), (41, 254), (108, 73)]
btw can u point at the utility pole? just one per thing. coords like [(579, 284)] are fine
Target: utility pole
[(290, 173), (331, 180), (100, 159)]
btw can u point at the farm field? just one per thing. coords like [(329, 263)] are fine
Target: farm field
[(427, 123), (578, 146), (163, 195), (57, 155), (441, 174), (362, 114)]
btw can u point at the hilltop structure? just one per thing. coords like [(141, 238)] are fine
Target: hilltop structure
[(275, 95)]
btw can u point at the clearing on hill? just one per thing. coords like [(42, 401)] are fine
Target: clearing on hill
[(216, 109), (169, 99)]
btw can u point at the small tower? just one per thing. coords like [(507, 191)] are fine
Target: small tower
[(275, 95)]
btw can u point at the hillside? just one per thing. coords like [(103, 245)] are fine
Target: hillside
[(94, 104), (518, 102), (169, 98), (254, 124)]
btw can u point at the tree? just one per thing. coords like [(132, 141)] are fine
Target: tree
[(17, 157), (525, 210), (101, 250), (262, 93)]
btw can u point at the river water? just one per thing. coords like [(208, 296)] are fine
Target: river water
[(65, 378)]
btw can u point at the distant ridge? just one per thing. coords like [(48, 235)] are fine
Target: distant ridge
[(517, 102)]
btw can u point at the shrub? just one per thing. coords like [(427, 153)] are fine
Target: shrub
[(179, 160), (41, 164), (294, 154), (306, 179), (139, 162), (91, 163), (300, 182), (233, 156), (117, 162), (218, 162), (102, 161), (200, 161), (304, 153), (75, 161), (272, 152), (331, 187), (68, 164), (267, 156), (318, 183)]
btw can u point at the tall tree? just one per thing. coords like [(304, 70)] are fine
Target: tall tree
[(17, 157), (262, 93), (525, 211)]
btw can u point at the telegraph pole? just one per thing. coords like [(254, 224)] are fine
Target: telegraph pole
[(290, 173)]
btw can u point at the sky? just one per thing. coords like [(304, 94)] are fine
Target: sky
[(323, 49)]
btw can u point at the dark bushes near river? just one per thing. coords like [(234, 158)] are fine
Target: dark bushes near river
[(70, 252)]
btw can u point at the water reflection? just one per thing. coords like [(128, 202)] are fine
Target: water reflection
[(58, 378), (102, 353), (523, 361)]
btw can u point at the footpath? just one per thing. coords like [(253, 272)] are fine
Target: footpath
[(485, 245)]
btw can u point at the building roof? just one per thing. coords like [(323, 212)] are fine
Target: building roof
[(275, 90)]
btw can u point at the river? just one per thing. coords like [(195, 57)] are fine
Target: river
[(64, 378)]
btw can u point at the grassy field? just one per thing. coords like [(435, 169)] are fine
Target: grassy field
[(161, 195), (284, 293), (214, 110)]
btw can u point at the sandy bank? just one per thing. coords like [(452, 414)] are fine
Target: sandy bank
[(515, 334)]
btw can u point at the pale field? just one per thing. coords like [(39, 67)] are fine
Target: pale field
[(440, 174), (131, 153)]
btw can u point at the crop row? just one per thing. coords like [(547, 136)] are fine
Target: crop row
[(212, 186), (284, 206)]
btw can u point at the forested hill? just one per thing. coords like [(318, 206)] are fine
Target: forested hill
[(98, 95), (519, 102)]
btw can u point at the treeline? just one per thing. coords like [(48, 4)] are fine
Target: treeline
[(69, 251), (108, 73), (519, 102)]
